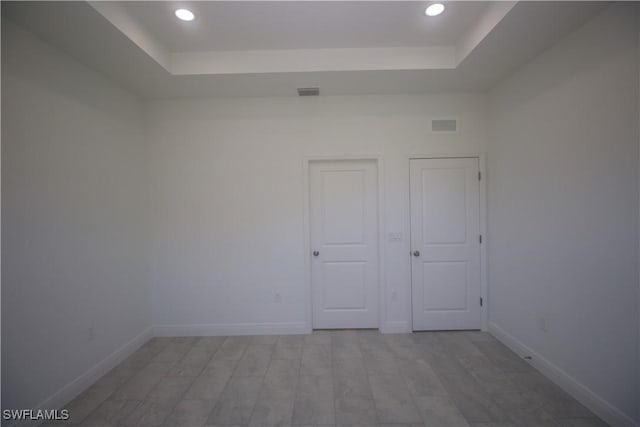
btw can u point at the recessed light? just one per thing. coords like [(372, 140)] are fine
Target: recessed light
[(185, 14), (434, 9)]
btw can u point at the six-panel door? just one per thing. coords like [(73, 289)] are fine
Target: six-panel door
[(344, 238), (445, 248)]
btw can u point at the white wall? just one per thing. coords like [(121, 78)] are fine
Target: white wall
[(74, 231), (563, 207), (228, 198)]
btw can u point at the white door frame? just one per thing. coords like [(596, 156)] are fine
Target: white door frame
[(484, 271), (382, 307)]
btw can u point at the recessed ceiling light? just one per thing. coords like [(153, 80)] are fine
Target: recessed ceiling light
[(185, 14), (434, 9)]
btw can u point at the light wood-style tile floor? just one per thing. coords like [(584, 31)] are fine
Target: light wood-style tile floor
[(327, 378)]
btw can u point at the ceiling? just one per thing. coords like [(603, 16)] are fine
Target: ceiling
[(259, 25), (265, 48)]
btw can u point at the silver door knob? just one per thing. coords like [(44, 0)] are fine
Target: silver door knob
[(416, 253), (316, 253)]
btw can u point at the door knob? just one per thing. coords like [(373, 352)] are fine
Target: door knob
[(416, 253), (316, 253)]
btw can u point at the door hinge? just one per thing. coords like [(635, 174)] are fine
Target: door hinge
[(479, 176), (480, 239), (481, 301)]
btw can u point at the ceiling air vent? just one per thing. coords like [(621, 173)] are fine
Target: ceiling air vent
[(308, 91), (444, 125)]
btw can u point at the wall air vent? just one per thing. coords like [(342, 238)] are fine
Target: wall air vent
[(444, 125), (308, 91)]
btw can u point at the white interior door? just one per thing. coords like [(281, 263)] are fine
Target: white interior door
[(445, 232), (344, 239)]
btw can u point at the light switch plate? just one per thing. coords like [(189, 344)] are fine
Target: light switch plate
[(394, 236)]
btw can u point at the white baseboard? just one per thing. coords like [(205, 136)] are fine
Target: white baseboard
[(216, 329), (395, 327), (605, 410), (67, 393)]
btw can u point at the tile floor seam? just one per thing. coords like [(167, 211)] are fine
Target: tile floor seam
[(192, 382), (185, 390), (375, 405), (253, 410), (213, 404), (295, 388), (226, 383), (177, 401), (415, 403)]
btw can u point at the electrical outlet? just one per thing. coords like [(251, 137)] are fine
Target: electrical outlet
[(542, 324), (90, 334), (394, 296), (277, 297)]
